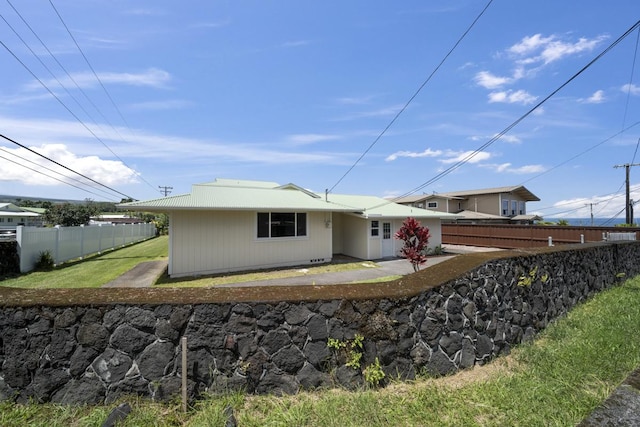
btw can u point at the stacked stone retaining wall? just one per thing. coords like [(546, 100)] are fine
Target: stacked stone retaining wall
[(97, 354)]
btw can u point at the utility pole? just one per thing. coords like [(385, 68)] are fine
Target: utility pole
[(628, 205), (591, 205), (165, 190)]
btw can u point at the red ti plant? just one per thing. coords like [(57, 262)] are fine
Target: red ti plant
[(415, 238)]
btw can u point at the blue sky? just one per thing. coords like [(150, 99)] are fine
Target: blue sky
[(292, 91)]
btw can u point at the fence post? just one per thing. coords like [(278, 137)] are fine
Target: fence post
[(550, 241), (582, 238), (57, 250), (82, 233)]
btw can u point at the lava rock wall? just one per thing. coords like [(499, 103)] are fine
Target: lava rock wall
[(79, 355)]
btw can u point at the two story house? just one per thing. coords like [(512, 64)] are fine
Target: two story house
[(502, 205)]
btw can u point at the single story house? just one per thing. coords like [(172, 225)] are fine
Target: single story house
[(231, 225), (12, 216), (491, 205)]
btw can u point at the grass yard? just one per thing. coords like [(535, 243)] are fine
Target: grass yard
[(94, 271), (555, 381), (97, 270)]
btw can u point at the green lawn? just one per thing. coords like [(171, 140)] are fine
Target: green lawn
[(98, 270), (94, 271), (556, 381)]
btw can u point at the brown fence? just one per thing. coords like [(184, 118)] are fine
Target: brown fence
[(524, 236)]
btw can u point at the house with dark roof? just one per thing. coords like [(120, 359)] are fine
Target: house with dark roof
[(232, 225), (491, 205)]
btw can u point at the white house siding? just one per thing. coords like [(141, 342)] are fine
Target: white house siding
[(435, 230), (206, 242), (337, 235), (354, 233)]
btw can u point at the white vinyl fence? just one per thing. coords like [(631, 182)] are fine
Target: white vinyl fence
[(620, 236), (67, 243)]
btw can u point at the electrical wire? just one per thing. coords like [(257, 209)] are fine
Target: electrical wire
[(415, 94), (478, 150), (581, 154), (49, 176), (51, 170), (70, 76), (63, 166)]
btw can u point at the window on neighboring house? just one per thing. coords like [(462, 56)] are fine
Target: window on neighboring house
[(514, 207), (522, 210), (375, 228), (281, 224), (432, 205), (9, 219), (505, 207), (1, 219)]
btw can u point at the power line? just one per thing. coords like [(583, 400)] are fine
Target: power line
[(70, 76), (412, 97), (49, 176), (89, 64), (516, 122), (51, 170), (165, 190), (581, 153), (63, 166)]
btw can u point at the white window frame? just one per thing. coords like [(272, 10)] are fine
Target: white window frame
[(432, 205)]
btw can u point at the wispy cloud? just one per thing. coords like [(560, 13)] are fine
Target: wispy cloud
[(411, 154), (169, 104), (467, 156), (295, 43), (380, 112), (311, 138), (153, 77), (490, 81), (631, 88), (538, 49), (596, 98), (445, 157), (508, 168), (512, 97), (527, 57)]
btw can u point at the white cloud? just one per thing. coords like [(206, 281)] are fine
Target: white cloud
[(108, 172), (596, 98), (530, 44), (490, 81), (631, 88), (512, 97), (466, 156), (412, 154), (512, 139), (539, 49), (311, 138), (508, 168), (381, 112), (152, 77), (352, 100)]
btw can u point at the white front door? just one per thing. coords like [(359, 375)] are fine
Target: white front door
[(387, 240)]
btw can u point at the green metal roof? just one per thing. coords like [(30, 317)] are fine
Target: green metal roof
[(268, 196), (373, 206)]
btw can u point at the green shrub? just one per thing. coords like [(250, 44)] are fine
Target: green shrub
[(45, 261)]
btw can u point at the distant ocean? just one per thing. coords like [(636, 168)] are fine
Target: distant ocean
[(597, 222)]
